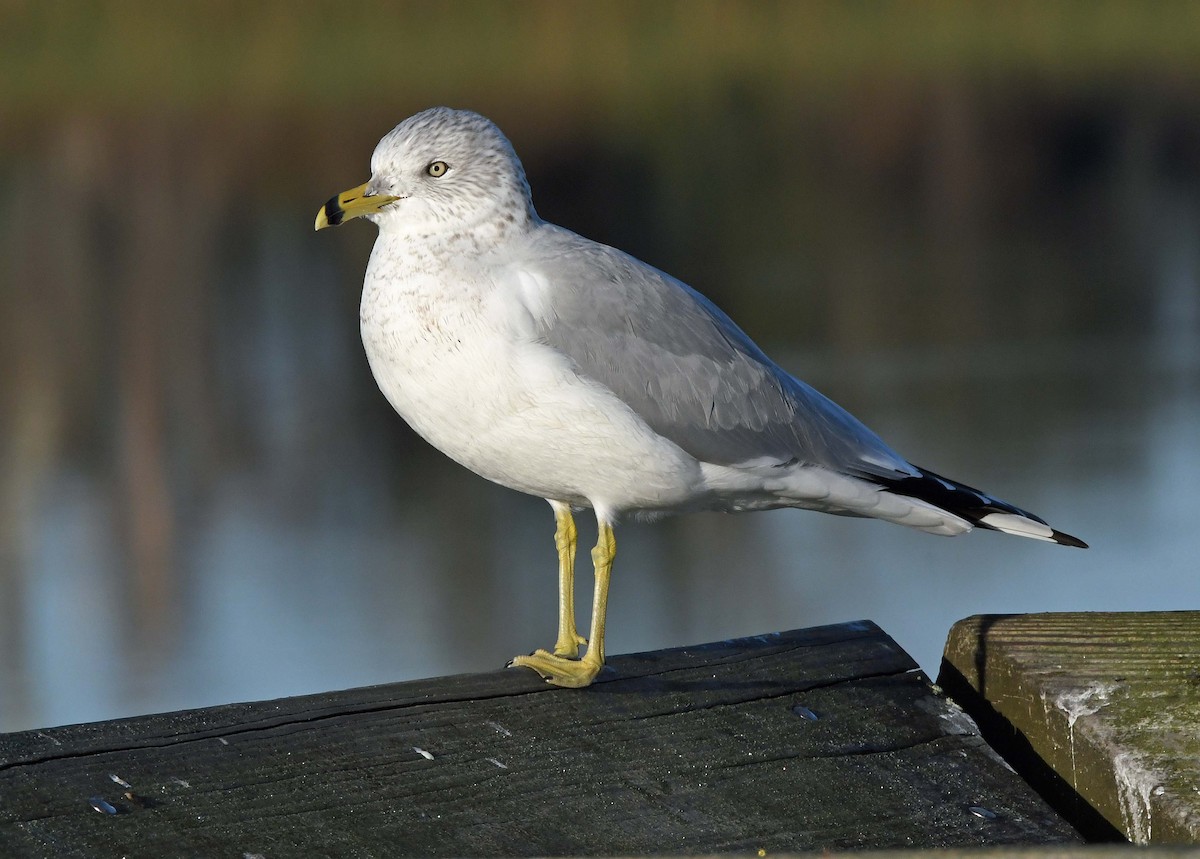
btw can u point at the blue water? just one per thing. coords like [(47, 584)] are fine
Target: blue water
[(205, 500), (440, 571)]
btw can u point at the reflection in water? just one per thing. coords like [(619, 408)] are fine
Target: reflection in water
[(205, 500), (376, 584)]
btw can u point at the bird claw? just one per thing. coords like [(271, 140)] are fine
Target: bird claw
[(558, 670)]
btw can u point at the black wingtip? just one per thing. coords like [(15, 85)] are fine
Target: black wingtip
[(970, 504), (1067, 540)]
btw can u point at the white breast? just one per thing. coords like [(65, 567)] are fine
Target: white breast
[(449, 352)]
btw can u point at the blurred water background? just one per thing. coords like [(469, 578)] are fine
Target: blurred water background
[(976, 225)]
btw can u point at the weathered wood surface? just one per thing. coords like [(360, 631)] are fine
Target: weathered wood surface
[(1078, 851), (821, 738), (1110, 702)]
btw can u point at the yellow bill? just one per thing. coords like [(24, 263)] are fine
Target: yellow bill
[(351, 204)]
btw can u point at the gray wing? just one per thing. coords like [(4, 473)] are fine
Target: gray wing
[(677, 360)]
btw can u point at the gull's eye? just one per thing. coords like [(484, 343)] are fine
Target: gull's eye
[(437, 169)]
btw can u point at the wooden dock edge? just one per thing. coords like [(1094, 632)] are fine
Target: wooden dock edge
[(1099, 712), (820, 739)]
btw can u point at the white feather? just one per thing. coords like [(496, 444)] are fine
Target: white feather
[(1010, 523)]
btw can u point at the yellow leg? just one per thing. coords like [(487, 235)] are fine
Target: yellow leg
[(565, 539), (570, 672)]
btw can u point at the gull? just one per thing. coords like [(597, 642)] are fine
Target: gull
[(569, 370)]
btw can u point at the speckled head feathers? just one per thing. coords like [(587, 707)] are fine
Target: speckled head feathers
[(451, 168)]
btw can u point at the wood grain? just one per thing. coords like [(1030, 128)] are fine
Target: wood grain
[(1109, 702), (814, 739)]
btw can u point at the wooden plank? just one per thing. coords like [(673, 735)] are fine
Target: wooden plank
[(1124, 850), (814, 739), (1100, 710)]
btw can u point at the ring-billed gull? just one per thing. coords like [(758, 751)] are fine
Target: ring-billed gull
[(569, 370)]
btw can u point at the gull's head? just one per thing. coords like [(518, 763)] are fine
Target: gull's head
[(440, 170)]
